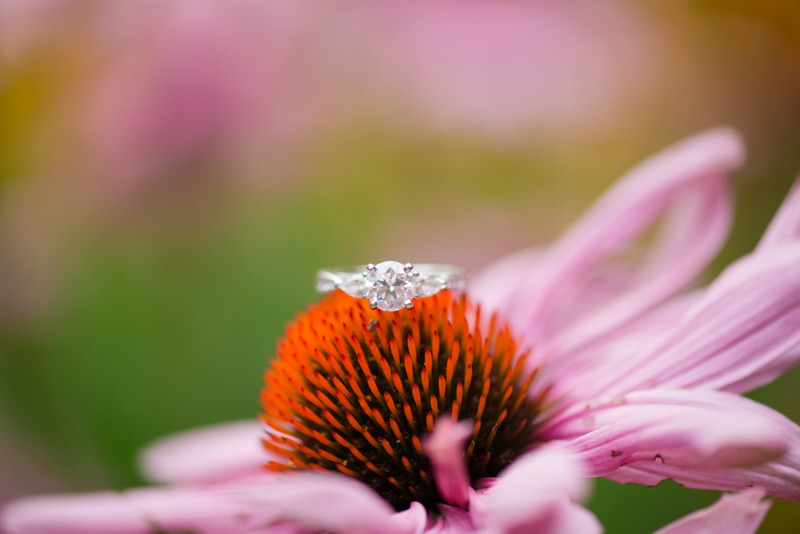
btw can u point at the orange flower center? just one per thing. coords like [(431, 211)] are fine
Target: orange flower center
[(357, 390)]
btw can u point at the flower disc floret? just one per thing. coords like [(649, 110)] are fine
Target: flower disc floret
[(357, 391)]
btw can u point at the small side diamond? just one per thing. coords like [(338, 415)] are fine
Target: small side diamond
[(353, 287), (325, 286), (429, 285), (457, 284)]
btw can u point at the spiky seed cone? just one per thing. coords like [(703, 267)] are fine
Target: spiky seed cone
[(357, 390)]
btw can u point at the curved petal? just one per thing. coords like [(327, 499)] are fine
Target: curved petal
[(283, 528), (744, 332), (102, 513), (785, 226), (452, 521), (556, 516), (589, 372), (502, 280), (697, 226), (741, 513), (413, 520), (445, 448), (332, 502), (210, 454), (141, 511), (689, 179), (496, 285), (779, 478), (575, 519), (534, 494), (702, 430)]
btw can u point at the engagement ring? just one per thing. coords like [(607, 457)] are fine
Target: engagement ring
[(391, 285)]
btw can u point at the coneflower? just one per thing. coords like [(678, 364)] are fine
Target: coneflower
[(433, 420), (357, 391)]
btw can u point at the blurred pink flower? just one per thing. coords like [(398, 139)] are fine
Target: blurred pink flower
[(26, 23), (643, 380), (180, 91), (186, 83), (509, 67)]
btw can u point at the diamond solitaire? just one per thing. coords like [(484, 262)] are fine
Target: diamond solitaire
[(391, 285)]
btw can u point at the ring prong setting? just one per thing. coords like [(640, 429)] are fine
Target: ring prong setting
[(408, 304)]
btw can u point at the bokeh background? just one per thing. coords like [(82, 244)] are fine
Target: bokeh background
[(173, 173)]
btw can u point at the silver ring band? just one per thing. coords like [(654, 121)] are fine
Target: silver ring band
[(391, 285)]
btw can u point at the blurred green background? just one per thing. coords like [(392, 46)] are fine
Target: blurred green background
[(145, 279)]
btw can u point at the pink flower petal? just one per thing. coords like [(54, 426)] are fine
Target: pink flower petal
[(785, 226), (577, 519), (779, 478), (497, 284), (740, 513), (210, 454), (503, 68), (591, 371), (744, 332), (412, 520), (698, 226), (534, 494), (555, 516), (207, 511), (681, 428), (102, 513), (690, 180), (445, 448), (332, 502), (452, 521)]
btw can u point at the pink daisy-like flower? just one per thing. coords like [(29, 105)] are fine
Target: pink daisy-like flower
[(632, 376), (193, 81), (503, 68)]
